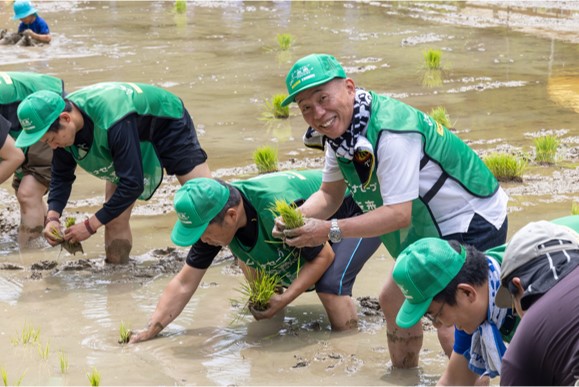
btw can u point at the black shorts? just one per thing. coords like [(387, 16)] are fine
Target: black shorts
[(178, 147)]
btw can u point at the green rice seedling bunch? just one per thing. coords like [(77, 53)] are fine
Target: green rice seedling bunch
[(575, 209), (291, 215), (285, 41), (546, 149), (433, 59), (94, 377), (440, 115), (506, 167), (44, 351), (273, 108), (124, 333), (4, 374), (180, 6), (265, 158), (259, 289), (63, 360), (29, 334)]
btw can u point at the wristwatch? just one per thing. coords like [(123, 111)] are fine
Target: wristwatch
[(335, 234)]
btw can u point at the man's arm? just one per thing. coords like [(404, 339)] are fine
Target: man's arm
[(172, 302), (457, 372), (11, 158), (309, 274)]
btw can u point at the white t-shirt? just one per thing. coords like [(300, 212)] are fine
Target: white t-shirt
[(401, 180)]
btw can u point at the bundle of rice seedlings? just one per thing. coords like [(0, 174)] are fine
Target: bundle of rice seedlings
[(291, 215), (124, 333), (506, 167), (546, 149), (265, 159), (260, 287)]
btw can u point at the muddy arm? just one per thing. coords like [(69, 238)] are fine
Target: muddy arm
[(172, 302)]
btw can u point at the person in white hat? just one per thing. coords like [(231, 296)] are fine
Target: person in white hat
[(540, 277)]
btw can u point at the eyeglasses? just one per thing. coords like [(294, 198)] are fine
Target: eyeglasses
[(434, 318)]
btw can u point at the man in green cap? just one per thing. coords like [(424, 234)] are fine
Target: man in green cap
[(30, 166), (451, 284), (213, 214), (411, 176), (124, 133)]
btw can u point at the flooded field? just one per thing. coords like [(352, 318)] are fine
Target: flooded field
[(511, 73)]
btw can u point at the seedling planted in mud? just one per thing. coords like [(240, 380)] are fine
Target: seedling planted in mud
[(575, 209), (440, 115), (29, 335), (4, 375), (94, 377), (63, 360), (265, 159), (180, 6), (506, 167), (273, 108), (285, 41), (44, 351), (124, 333), (432, 76), (290, 214), (546, 149)]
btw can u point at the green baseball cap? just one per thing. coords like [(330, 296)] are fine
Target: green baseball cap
[(423, 270), (36, 113), (197, 202), (310, 71)]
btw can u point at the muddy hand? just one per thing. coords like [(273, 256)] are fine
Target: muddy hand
[(313, 233), (52, 233), (274, 305), (278, 228), (76, 233), (137, 337)]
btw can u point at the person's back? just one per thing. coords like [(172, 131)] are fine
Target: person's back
[(545, 348)]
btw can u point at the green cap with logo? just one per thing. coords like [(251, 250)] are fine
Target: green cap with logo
[(423, 270), (36, 113), (197, 202), (310, 71)]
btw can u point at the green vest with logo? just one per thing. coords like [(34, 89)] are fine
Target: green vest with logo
[(270, 253), (454, 157), (106, 104)]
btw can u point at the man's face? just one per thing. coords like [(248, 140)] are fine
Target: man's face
[(64, 136), (328, 108), (467, 314), (220, 234)]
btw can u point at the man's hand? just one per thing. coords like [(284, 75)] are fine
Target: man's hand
[(278, 228), (313, 233), (28, 33), (76, 233), (274, 305), (53, 233), (146, 334)]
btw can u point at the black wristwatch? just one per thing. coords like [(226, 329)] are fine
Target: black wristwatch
[(335, 234)]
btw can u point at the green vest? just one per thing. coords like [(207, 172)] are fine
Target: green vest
[(15, 86), (454, 157), (106, 104), (270, 253)]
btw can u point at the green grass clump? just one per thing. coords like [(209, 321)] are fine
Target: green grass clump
[(506, 167), (180, 6), (265, 158), (273, 108), (94, 377), (546, 149), (124, 333), (285, 41), (433, 59), (291, 215), (260, 287), (63, 360), (440, 115)]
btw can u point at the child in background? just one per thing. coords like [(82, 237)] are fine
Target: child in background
[(32, 25)]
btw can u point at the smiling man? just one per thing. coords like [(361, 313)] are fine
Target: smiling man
[(124, 133), (411, 177), (454, 285)]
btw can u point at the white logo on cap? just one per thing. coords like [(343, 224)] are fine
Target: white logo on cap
[(184, 218), (27, 124), (300, 73)]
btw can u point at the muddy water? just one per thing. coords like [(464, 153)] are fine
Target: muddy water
[(510, 74)]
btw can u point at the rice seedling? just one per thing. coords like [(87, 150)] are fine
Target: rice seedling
[(124, 333), (63, 361), (440, 115), (432, 78), (575, 209), (180, 6), (291, 215), (259, 288), (546, 149), (506, 167), (265, 158), (94, 377), (29, 334), (4, 375), (273, 108), (44, 351), (285, 41), (433, 59)]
